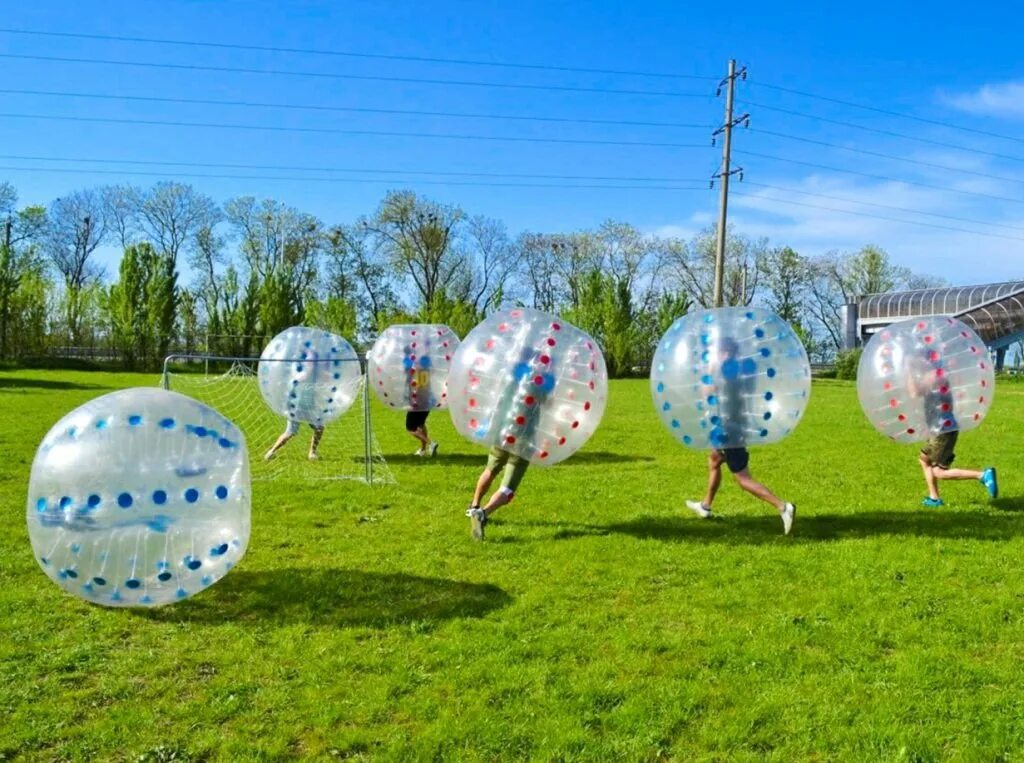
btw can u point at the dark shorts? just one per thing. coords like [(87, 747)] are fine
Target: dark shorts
[(938, 451), (513, 466), (415, 420), (735, 458), (292, 427)]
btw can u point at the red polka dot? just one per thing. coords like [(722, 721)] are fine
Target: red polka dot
[(414, 347), (887, 386), (561, 441), (445, 344), (551, 342), (556, 327), (444, 394), (538, 380), (473, 423), (440, 333), (928, 340), (592, 366), (447, 357), (591, 385), (965, 335), (894, 403), (977, 416), (575, 425), (901, 417), (974, 349), (380, 383), (502, 327), (947, 423), (920, 326), (984, 383), (414, 384), (933, 356), (516, 313), (910, 430), (981, 399), (586, 406), (472, 402), (981, 365), (414, 333), (520, 420), (939, 372), (543, 454), (590, 346), (510, 439), (530, 400), (545, 359), (945, 406)]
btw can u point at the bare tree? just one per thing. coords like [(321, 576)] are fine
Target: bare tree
[(493, 262), (694, 266), (121, 208), (171, 214)]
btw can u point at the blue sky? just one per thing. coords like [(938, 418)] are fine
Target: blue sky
[(947, 63)]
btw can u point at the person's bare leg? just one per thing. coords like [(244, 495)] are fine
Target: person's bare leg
[(421, 435), (929, 478), (714, 478), (278, 445), (955, 474), (314, 443), (755, 488), (500, 498), (486, 478)]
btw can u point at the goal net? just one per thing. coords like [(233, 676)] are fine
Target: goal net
[(348, 448)]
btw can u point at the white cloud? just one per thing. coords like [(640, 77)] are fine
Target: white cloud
[(996, 99)]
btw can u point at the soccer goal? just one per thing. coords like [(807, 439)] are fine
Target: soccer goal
[(348, 448)]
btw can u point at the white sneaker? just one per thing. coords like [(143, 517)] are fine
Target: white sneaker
[(419, 453), (477, 522), (314, 457), (788, 514), (433, 449), (699, 509), (270, 456)]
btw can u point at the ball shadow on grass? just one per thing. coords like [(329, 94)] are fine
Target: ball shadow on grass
[(480, 459), (47, 384), (334, 597), (767, 528)]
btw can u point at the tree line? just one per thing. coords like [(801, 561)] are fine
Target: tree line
[(256, 266)]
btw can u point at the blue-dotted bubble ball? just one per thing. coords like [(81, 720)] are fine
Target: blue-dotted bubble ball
[(925, 376), (409, 363), (529, 383), (307, 374), (139, 498), (730, 377)]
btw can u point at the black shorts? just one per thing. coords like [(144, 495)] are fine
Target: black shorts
[(736, 459), (415, 420)]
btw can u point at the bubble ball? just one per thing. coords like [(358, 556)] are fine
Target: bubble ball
[(924, 376), (139, 498), (309, 375), (730, 377), (528, 383), (409, 364)]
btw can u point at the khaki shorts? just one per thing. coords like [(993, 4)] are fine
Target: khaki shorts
[(938, 451), (514, 466)]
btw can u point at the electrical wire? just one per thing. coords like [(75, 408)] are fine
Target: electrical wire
[(350, 54)]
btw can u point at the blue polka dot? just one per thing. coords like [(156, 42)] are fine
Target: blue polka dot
[(749, 367), (705, 339), (337, 363), (704, 356), (135, 419), (92, 501), (329, 400), (167, 423), (675, 423), (219, 550), (425, 362), (295, 382), (75, 548), (224, 442), (133, 583), (124, 500), (731, 368), (206, 579), (687, 439), (159, 497), (712, 399), (749, 316), (764, 432), (716, 419), (667, 406), (101, 424), (661, 387), (709, 318), (759, 333), (71, 573), (309, 344), (298, 367), (661, 367), (200, 431), (181, 593), (768, 395), (191, 495), (765, 352), (337, 376), (771, 373), (71, 431), (221, 492), (99, 580), (304, 356), (334, 389), (706, 379), (164, 576), (767, 415), (65, 501), (192, 563)]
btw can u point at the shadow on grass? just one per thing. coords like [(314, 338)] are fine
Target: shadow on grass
[(1014, 503), (480, 459), (820, 527), (334, 597), (18, 383)]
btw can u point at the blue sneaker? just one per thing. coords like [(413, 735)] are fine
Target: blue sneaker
[(988, 479), (932, 503)]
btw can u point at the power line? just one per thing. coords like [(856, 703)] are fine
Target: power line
[(357, 77), (305, 179), (344, 131), (371, 171), (351, 54), (892, 157), (886, 206), (879, 131), (880, 217), (887, 112), (348, 109), (885, 178)]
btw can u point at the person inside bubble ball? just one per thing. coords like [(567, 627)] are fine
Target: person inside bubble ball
[(734, 385), (418, 386), (927, 383), (518, 414), (305, 409)]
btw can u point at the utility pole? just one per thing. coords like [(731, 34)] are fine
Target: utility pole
[(726, 171)]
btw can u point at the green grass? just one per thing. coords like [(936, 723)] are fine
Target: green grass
[(598, 622)]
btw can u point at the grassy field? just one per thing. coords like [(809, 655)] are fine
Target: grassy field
[(599, 621)]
